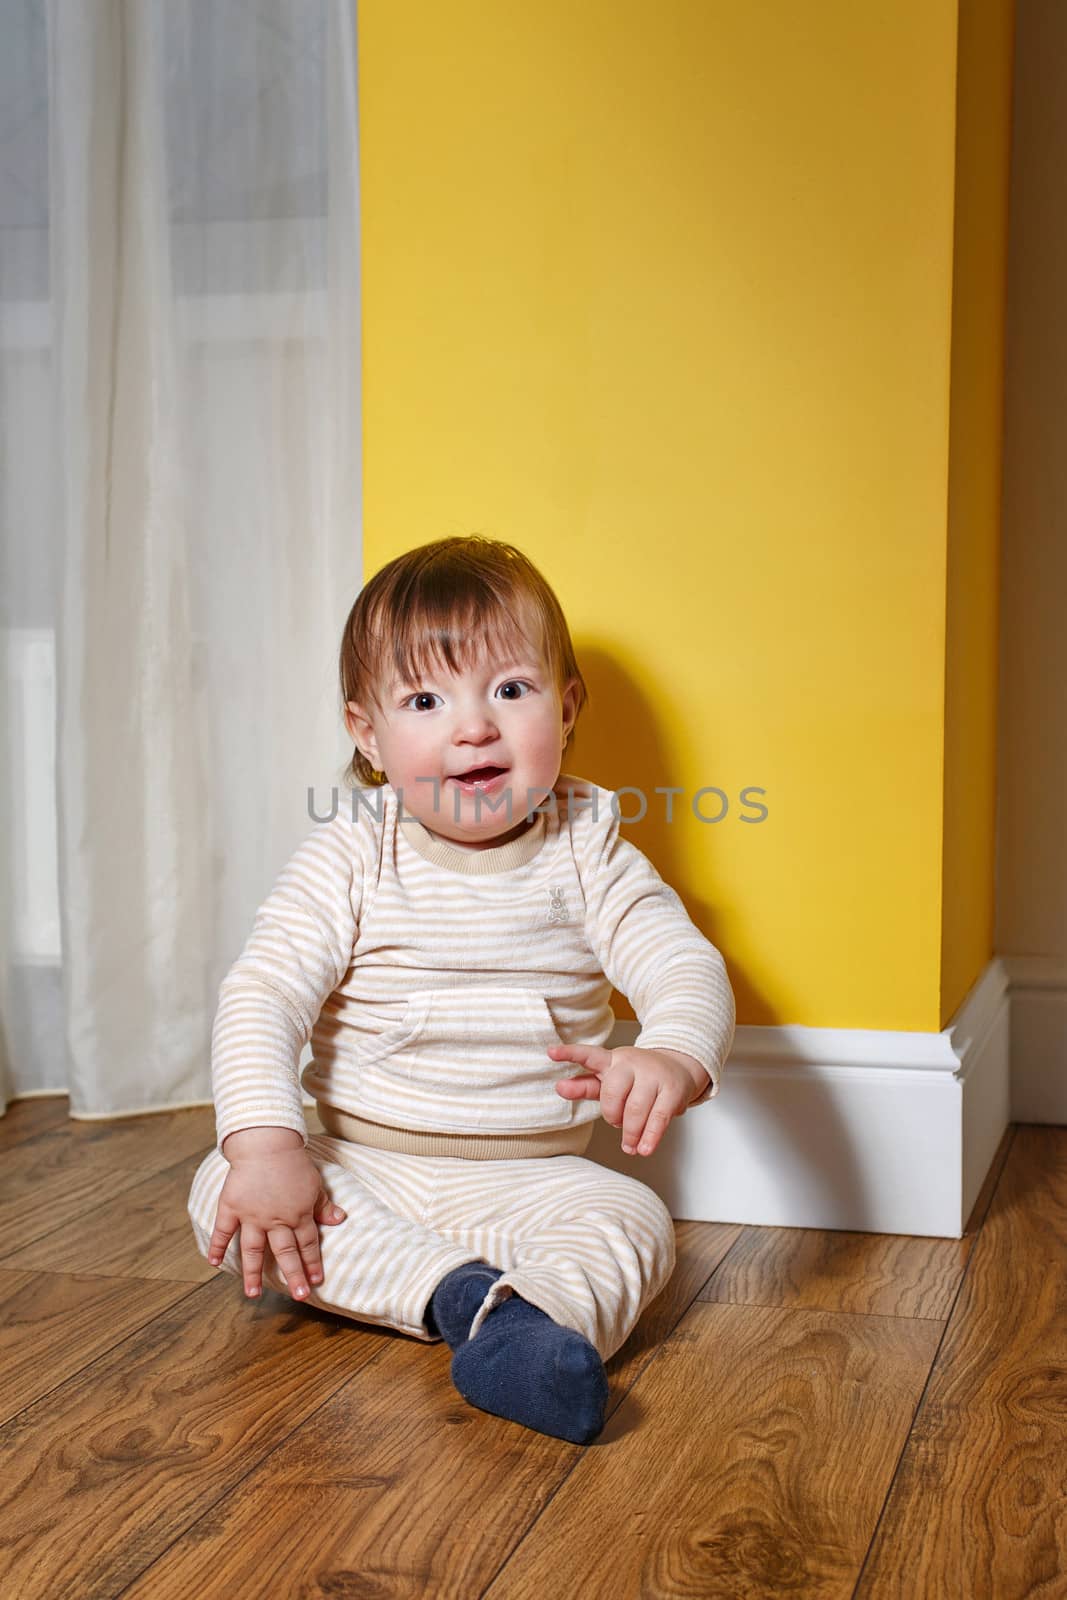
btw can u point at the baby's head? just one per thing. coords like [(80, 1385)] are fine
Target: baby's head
[(457, 656)]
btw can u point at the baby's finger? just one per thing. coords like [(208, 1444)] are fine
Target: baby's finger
[(584, 1088), (659, 1119), (252, 1250), (290, 1263), (326, 1211), (307, 1237), (593, 1057), (639, 1103), (223, 1231), (614, 1091)]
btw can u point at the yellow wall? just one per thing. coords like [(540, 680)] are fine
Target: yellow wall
[(663, 294), (983, 149)]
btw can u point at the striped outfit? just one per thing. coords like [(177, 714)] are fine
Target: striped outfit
[(430, 981)]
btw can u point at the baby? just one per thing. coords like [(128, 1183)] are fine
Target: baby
[(448, 942)]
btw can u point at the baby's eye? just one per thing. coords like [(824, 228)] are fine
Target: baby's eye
[(515, 683), (423, 694)]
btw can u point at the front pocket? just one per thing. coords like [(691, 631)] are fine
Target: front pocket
[(468, 1059), (333, 1074)]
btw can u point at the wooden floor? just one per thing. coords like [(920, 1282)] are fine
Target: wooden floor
[(800, 1413)]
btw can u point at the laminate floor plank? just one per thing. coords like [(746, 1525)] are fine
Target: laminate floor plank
[(146, 1143), (53, 1324), (979, 1503), (396, 1487), (750, 1458), (700, 1248), (143, 1232), (44, 1187), (866, 1274), (32, 1114), (105, 1472)]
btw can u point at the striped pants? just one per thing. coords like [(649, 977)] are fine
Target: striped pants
[(589, 1246)]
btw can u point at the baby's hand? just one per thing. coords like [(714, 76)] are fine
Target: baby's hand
[(638, 1088), (276, 1197)]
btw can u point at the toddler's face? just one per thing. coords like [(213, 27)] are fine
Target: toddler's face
[(450, 729)]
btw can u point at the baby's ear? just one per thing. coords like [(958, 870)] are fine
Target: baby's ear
[(360, 729), (569, 700)]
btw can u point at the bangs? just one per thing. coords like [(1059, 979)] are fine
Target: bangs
[(449, 628)]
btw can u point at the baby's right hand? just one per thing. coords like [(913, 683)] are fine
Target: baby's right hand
[(274, 1193)]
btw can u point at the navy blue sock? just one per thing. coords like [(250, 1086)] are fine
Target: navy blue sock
[(454, 1303), (524, 1366)]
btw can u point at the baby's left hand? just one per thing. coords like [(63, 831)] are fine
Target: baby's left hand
[(639, 1089)]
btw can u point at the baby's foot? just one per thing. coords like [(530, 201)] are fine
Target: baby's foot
[(455, 1302), (523, 1366)]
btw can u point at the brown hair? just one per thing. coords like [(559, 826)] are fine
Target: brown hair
[(441, 604)]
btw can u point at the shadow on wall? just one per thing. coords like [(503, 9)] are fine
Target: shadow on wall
[(618, 743)]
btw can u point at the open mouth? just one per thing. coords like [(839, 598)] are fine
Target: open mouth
[(478, 775)]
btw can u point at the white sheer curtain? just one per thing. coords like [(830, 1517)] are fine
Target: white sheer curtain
[(180, 502)]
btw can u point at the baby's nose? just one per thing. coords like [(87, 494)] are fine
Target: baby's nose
[(475, 727)]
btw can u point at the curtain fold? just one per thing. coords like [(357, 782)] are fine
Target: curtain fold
[(180, 367)]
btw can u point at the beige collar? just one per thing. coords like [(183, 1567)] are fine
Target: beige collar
[(498, 858)]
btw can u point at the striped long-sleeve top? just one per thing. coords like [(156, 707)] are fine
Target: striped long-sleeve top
[(431, 980)]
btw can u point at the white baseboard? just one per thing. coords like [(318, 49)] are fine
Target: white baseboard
[(875, 1132), (1038, 1038)]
